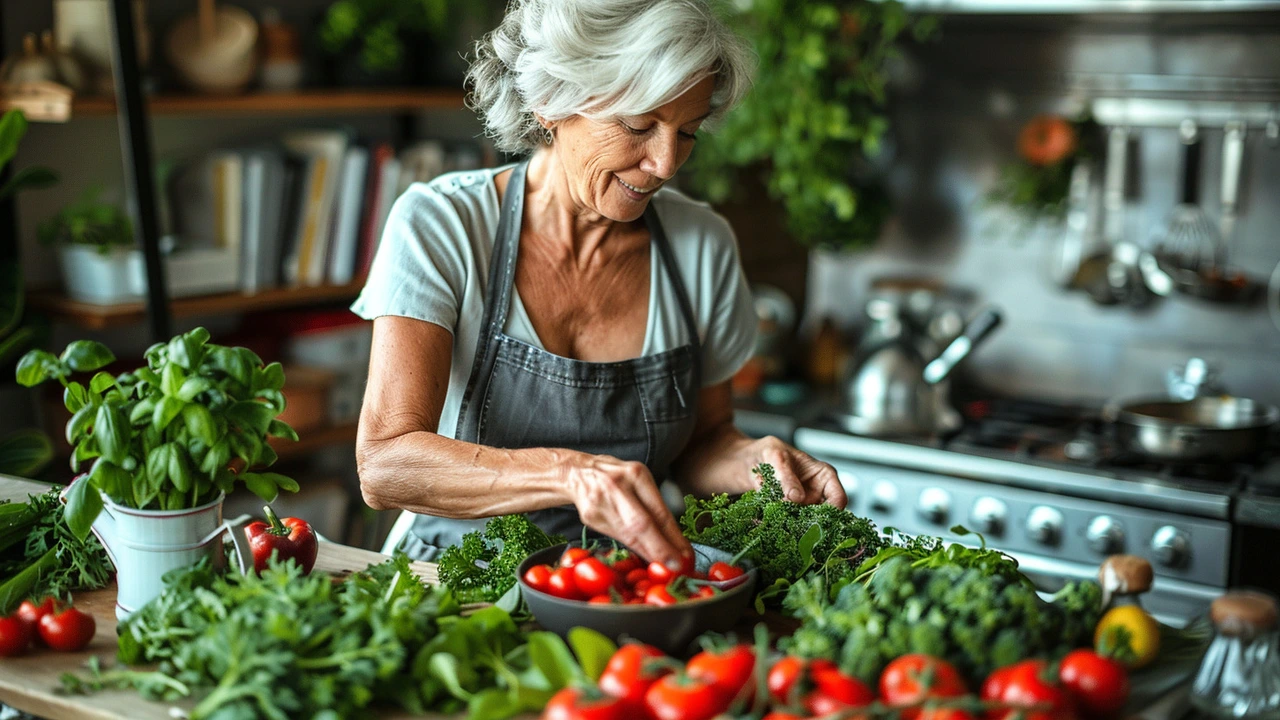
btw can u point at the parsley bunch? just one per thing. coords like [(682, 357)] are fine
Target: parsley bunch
[(785, 540), (482, 568), (40, 556)]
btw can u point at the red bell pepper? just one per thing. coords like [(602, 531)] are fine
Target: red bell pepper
[(288, 538)]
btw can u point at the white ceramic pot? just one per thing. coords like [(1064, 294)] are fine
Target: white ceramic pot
[(84, 28), (116, 277), (146, 544)]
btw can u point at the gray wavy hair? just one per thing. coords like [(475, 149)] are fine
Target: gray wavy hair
[(599, 59)]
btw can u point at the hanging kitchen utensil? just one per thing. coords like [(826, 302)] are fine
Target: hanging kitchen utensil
[(1065, 260), (1191, 239), (1208, 428)]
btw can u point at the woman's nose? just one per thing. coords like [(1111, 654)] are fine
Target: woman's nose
[(660, 156)]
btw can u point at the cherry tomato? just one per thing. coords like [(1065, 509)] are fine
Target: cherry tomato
[(661, 574), (593, 577), (728, 670), (935, 713), (30, 614), (704, 591), (15, 636), (993, 687), (1030, 683), (834, 691), (573, 555), (902, 682), (786, 672), (69, 630), (676, 697), (636, 575), (721, 571), (601, 600), (562, 585), (1099, 684), (538, 577), (659, 595), (631, 672), (574, 703), (624, 561)]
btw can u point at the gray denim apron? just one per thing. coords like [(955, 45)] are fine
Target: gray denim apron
[(520, 396)]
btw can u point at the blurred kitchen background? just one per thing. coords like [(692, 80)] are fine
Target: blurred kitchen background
[(1106, 286)]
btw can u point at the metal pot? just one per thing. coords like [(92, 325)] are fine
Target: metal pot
[(1222, 428)]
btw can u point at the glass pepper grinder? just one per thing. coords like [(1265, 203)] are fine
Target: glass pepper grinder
[(1239, 676), (1123, 578)]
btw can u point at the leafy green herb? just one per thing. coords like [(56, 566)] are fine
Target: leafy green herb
[(35, 535), (785, 540), (977, 619), (285, 645), (482, 568), (924, 551)]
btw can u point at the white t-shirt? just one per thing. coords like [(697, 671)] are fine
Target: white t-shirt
[(433, 264)]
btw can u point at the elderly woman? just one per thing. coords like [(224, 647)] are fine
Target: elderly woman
[(553, 337)]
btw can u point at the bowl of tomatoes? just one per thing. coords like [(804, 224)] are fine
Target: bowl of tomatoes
[(615, 592)]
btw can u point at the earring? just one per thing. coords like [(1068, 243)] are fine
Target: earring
[(547, 137)]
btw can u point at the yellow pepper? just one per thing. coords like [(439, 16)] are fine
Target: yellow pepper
[(1128, 634)]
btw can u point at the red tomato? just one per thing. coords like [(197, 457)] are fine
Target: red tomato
[(660, 574), (677, 697), (562, 585), (634, 601), (574, 703), (993, 687), (901, 682), (624, 561), (636, 575), (704, 591), (642, 587), (1030, 683), (1099, 684), (728, 670), (30, 614), (834, 691), (659, 595), (721, 571), (572, 555), (931, 713), (631, 672), (601, 600), (593, 577), (69, 630), (538, 577), (786, 672), (15, 636)]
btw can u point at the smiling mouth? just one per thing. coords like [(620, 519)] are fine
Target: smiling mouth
[(635, 189)]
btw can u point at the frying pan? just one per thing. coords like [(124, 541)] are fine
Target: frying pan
[(1222, 428)]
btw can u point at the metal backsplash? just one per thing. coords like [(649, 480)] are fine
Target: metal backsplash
[(963, 100)]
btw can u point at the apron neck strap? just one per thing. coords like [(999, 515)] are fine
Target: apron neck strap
[(659, 237), (506, 247)]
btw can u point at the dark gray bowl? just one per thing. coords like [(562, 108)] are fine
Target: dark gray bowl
[(670, 628)]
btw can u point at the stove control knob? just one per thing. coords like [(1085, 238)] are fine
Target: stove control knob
[(989, 515), (1104, 535), (934, 505), (884, 496), (1172, 547), (1044, 525)]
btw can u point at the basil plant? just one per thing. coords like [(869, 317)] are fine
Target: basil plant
[(170, 435)]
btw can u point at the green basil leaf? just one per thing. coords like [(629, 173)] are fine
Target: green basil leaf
[(86, 356), (87, 449), (112, 430), (217, 457), (180, 468), (281, 429), (200, 423), (266, 456), (111, 479), (234, 364), (78, 423), (592, 648), (148, 376), (454, 674), (188, 349), (34, 367), (251, 416), (270, 377), (142, 411), (283, 482), (549, 654), (166, 410), (83, 505), (193, 386), (158, 464), (74, 396), (275, 400), (808, 542), (171, 379), (261, 485), (224, 480), (101, 381)]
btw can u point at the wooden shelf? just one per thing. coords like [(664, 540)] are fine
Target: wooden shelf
[(97, 317), (310, 441), (315, 102)]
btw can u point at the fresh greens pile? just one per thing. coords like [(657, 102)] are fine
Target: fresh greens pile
[(924, 551), (977, 619), (785, 540), (40, 556), (286, 645), (482, 568)]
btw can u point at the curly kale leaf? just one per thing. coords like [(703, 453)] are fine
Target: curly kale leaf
[(772, 532), (482, 568)]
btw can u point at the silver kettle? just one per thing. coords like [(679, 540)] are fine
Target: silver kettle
[(898, 384)]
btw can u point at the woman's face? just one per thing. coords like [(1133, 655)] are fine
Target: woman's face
[(613, 167)]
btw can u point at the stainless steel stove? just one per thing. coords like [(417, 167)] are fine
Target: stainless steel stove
[(1042, 483)]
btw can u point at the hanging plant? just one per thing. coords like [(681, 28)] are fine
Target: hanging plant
[(815, 112)]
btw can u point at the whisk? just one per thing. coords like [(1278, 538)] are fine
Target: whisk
[(1191, 240)]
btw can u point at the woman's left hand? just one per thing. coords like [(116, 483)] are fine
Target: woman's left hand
[(804, 479)]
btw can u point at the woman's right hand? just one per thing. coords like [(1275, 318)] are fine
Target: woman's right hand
[(621, 500)]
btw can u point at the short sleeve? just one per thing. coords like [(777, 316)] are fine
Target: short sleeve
[(731, 326), (419, 269)]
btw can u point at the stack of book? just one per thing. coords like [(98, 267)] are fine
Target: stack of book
[(307, 210)]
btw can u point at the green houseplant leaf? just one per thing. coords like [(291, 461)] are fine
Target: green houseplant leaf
[(25, 452), (83, 505)]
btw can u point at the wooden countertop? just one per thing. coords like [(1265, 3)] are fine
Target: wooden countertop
[(30, 683)]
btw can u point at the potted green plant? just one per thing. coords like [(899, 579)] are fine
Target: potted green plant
[(167, 442), (100, 261), (385, 41)]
